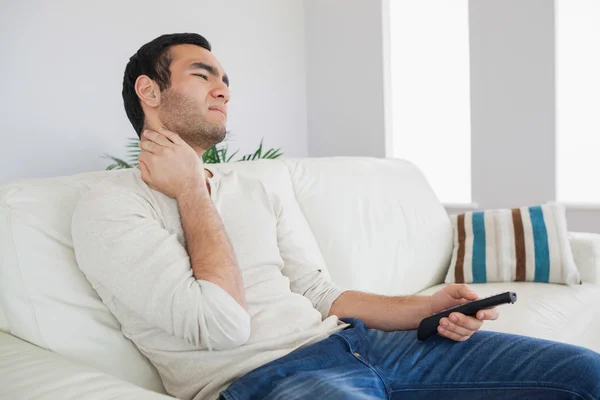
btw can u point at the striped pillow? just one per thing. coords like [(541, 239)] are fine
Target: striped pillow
[(522, 244)]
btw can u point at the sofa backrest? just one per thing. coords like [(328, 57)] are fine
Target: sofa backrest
[(45, 298), (377, 224), (3, 322)]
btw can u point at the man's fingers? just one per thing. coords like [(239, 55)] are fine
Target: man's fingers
[(464, 321), (145, 172), (149, 146), (145, 160), (144, 168), (489, 314), (172, 136), (455, 328), (451, 335), (462, 291), (157, 138)]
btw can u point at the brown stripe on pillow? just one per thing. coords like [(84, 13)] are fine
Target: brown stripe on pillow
[(459, 273), (519, 244)]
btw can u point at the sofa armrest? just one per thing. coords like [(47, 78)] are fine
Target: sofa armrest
[(586, 252), (27, 372)]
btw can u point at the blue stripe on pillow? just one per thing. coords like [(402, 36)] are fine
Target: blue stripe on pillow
[(479, 275), (540, 240)]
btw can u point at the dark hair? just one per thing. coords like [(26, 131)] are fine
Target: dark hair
[(153, 59)]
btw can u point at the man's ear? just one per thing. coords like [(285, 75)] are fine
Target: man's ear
[(147, 91)]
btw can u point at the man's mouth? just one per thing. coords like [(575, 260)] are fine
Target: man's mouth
[(219, 109)]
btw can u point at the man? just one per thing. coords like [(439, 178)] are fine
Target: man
[(208, 276)]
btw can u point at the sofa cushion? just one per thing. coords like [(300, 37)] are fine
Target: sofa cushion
[(586, 253), (45, 297), (520, 244), (563, 313), (28, 372), (378, 223)]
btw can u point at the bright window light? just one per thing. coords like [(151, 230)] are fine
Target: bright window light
[(578, 101), (431, 92)]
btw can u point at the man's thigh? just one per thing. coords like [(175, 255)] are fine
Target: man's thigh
[(489, 365), (348, 382), (324, 370)]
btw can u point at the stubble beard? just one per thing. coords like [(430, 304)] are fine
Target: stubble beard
[(180, 114)]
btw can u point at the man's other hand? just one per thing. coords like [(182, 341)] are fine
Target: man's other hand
[(457, 326)]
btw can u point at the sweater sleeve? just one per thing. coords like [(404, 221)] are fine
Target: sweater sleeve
[(303, 262), (121, 245)]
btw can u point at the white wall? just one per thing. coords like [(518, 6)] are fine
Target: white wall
[(345, 78), (62, 70), (512, 102)]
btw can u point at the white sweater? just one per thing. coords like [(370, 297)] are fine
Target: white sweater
[(130, 244)]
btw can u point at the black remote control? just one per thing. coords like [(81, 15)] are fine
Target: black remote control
[(428, 326)]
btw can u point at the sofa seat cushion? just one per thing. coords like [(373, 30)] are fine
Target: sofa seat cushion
[(568, 314), (28, 372)]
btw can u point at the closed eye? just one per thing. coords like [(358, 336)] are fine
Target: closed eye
[(202, 76)]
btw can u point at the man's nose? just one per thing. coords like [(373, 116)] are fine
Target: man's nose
[(222, 91)]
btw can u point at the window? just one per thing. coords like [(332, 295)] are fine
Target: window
[(578, 101), (431, 92)]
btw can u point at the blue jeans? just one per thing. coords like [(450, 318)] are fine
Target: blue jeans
[(361, 363)]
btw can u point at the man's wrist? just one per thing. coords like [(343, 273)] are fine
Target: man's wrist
[(430, 305), (194, 192)]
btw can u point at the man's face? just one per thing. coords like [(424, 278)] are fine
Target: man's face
[(195, 105)]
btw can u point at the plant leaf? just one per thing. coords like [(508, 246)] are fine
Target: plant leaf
[(259, 151), (211, 156), (268, 153), (275, 154), (119, 164), (231, 156), (223, 153)]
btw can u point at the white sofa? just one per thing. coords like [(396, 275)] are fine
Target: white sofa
[(379, 228)]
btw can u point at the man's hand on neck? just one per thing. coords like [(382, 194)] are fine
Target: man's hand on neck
[(159, 127)]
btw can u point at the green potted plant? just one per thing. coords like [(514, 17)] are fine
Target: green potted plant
[(215, 155)]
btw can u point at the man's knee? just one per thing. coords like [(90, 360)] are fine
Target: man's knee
[(584, 368)]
